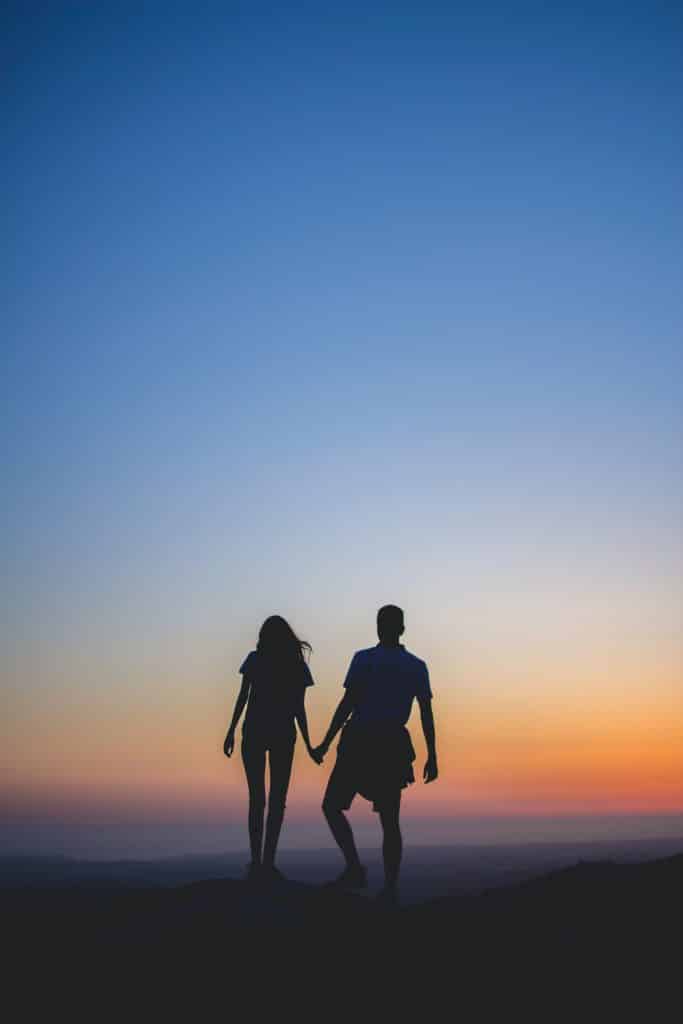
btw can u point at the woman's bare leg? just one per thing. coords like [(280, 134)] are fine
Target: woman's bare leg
[(254, 758), (280, 760)]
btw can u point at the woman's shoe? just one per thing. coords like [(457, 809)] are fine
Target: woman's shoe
[(253, 873)]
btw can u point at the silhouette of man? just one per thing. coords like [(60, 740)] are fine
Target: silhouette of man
[(375, 754)]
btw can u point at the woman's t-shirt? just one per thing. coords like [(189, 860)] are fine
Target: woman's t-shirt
[(275, 692)]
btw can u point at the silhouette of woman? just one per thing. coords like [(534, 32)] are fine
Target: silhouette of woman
[(274, 681)]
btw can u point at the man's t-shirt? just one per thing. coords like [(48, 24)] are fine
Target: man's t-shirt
[(384, 681), (275, 692)]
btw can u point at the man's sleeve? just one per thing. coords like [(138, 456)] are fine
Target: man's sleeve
[(423, 688), (354, 673)]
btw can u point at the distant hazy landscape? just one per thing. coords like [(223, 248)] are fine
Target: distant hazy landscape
[(429, 872)]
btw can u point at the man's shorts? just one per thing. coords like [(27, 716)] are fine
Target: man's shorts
[(374, 760)]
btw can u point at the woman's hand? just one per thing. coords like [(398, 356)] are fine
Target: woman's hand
[(318, 753), (229, 744)]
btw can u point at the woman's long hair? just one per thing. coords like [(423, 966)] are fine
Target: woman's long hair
[(277, 641)]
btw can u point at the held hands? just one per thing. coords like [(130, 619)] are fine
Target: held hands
[(431, 771), (318, 753), (229, 744)]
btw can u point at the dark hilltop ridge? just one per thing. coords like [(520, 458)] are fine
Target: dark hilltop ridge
[(604, 910), (428, 872)]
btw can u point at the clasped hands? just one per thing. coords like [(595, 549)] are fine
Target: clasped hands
[(318, 753)]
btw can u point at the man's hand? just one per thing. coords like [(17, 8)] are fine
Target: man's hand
[(431, 771), (229, 744)]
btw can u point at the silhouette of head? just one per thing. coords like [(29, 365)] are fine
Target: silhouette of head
[(277, 639), (390, 625)]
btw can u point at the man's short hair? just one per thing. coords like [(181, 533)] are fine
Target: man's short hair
[(390, 619)]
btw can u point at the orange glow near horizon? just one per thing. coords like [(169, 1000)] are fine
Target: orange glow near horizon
[(524, 756)]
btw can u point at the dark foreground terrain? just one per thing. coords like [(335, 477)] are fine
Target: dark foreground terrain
[(289, 944)]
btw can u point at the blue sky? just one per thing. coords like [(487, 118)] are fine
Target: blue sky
[(312, 307)]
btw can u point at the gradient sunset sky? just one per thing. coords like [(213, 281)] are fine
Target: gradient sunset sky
[(316, 307)]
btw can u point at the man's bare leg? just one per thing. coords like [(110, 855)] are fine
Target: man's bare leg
[(392, 844), (354, 873)]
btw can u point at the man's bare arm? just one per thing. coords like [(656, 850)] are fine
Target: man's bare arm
[(339, 718), (431, 770)]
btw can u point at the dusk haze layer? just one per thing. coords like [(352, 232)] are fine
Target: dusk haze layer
[(311, 310)]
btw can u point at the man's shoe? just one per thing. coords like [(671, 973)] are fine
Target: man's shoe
[(269, 873), (387, 898), (351, 878)]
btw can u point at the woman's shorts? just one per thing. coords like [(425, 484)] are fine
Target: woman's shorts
[(278, 743)]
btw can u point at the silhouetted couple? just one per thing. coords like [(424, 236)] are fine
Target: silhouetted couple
[(374, 755)]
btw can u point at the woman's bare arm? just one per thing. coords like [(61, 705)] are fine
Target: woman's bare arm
[(302, 721), (242, 696)]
